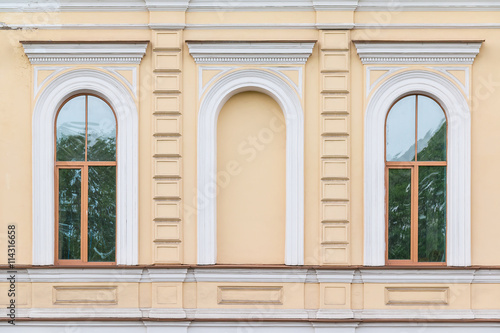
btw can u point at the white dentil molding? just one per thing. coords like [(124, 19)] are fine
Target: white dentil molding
[(251, 52), (462, 53), (85, 53), (458, 157), (44, 115)]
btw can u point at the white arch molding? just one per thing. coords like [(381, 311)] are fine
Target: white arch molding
[(51, 98), (212, 103), (458, 156)]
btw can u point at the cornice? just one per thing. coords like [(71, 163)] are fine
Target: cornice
[(387, 52), (329, 5), (324, 318), (427, 5), (232, 26), (40, 53), (416, 276), (245, 5), (256, 275), (250, 52), (169, 5), (71, 5), (251, 275)]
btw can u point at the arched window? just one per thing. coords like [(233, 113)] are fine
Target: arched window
[(415, 175), (85, 177)]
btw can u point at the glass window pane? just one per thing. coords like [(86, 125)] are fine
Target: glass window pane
[(431, 138), (71, 131), (101, 131), (102, 213), (400, 131), (432, 214), (399, 215), (69, 213)]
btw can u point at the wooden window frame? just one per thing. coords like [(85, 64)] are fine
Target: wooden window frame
[(413, 166), (83, 166)]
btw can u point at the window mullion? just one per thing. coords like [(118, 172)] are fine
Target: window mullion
[(85, 203), (414, 215), (86, 125)]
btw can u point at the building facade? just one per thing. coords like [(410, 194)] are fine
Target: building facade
[(233, 166)]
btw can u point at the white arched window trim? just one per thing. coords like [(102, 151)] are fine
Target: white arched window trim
[(51, 98), (458, 156), (270, 84)]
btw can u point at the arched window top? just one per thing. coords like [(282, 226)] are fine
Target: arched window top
[(458, 162), (47, 106), (86, 130), (416, 130), (415, 150), (85, 181)]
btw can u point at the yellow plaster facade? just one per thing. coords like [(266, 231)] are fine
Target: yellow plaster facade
[(268, 262)]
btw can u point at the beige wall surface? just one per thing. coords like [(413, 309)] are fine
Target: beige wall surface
[(251, 160), (251, 181)]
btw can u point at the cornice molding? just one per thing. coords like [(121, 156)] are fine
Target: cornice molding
[(426, 5), (170, 5), (41, 53), (250, 52), (417, 276), (251, 275), (245, 5), (329, 5), (257, 275), (232, 26), (373, 52), (235, 315)]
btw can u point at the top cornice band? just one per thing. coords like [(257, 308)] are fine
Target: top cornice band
[(435, 52), (245, 5)]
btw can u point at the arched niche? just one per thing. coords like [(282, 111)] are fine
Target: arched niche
[(226, 87)]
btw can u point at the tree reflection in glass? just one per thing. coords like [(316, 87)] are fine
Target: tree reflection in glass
[(69, 213), (431, 137), (400, 131), (432, 214), (70, 144), (102, 213), (399, 214), (101, 131), (416, 148), (86, 167)]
